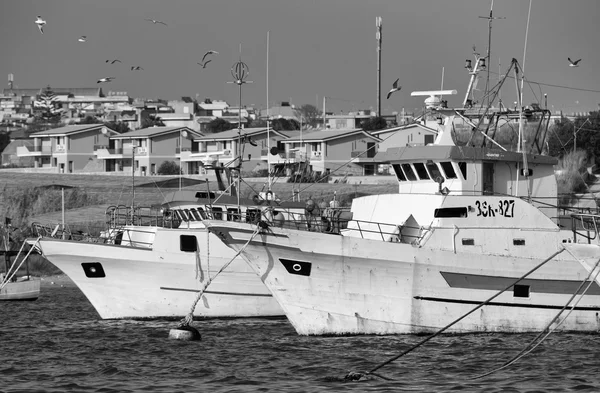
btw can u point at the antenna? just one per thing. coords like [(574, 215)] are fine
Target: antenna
[(268, 122)]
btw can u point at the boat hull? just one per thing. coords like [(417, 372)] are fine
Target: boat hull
[(123, 282), (21, 290), (330, 285)]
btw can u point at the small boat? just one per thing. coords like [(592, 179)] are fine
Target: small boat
[(13, 286), (151, 262), (472, 221)]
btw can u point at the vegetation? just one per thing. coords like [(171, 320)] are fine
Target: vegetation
[(310, 115), (374, 123), (219, 125), (169, 168), (285, 124), (572, 176), (585, 131)]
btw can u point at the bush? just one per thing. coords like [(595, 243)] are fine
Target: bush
[(169, 168), (571, 176)]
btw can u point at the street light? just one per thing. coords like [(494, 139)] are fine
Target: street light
[(184, 134)]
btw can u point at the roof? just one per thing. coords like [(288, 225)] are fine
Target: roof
[(457, 153), (151, 132), (78, 91), (233, 134), (70, 130), (22, 92), (403, 127), (327, 135), (286, 112)]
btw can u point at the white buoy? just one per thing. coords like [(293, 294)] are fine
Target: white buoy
[(185, 333)]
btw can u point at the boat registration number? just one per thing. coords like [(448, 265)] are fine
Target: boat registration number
[(505, 208)]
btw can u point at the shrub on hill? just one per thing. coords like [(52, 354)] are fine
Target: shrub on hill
[(169, 168)]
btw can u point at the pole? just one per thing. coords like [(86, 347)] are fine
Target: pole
[(180, 162), (132, 178), (379, 29), (62, 191), (324, 115)]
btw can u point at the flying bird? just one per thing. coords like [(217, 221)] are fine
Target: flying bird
[(210, 52), (205, 63), (40, 23), (113, 61), (573, 63), (82, 38), (136, 68), (156, 21), (395, 88), (108, 79)]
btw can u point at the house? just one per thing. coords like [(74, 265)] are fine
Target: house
[(67, 149), (354, 120), (343, 151), (148, 148), (220, 149), (283, 111)]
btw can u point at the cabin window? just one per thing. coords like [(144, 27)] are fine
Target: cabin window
[(217, 213), (408, 171), (198, 215), (448, 170), (179, 215), (434, 171), (518, 242), (520, 290), (399, 174), (448, 212), (468, 242), (463, 169), (204, 194), (233, 214), (188, 243), (252, 215), (421, 171), (189, 215)]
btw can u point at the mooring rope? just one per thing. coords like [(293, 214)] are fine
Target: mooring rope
[(187, 321), (8, 276), (371, 372), (533, 344)]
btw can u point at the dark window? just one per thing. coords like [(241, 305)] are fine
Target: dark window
[(399, 173), (434, 171), (429, 139), (204, 194), (93, 269), (448, 170), (421, 171), (468, 242), (463, 169), (217, 213), (520, 290), (198, 216), (450, 212), (519, 242), (188, 243), (410, 175), (233, 214), (252, 215)]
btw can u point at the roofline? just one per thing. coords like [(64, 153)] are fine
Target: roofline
[(358, 131), (73, 132), (172, 129)]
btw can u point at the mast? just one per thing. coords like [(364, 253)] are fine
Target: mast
[(523, 145), (268, 123), (379, 29), (489, 48)]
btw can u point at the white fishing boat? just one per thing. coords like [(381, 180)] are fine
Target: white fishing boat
[(151, 262), (13, 284), (472, 223)]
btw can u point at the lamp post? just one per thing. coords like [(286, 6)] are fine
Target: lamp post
[(182, 134)]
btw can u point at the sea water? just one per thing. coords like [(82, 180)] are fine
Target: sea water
[(58, 343)]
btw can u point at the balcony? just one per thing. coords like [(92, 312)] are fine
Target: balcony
[(209, 157), (103, 152), (34, 151)]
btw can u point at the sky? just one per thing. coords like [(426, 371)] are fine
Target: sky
[(316, 48)]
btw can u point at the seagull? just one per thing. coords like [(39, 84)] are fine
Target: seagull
[(108, 79), (395, 88), (156, 21), (40, 24), (113, 61), (205, 63), (210, 52), (82, 38), (136, 68), (573, 63)]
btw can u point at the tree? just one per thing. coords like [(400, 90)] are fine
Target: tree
[(150, 120), (584, 130), (90, 120), (284, 124), (256, 123), (169, 168), (219, 125), (309, 115), (49, 106), (374, 123), (119, 126)]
